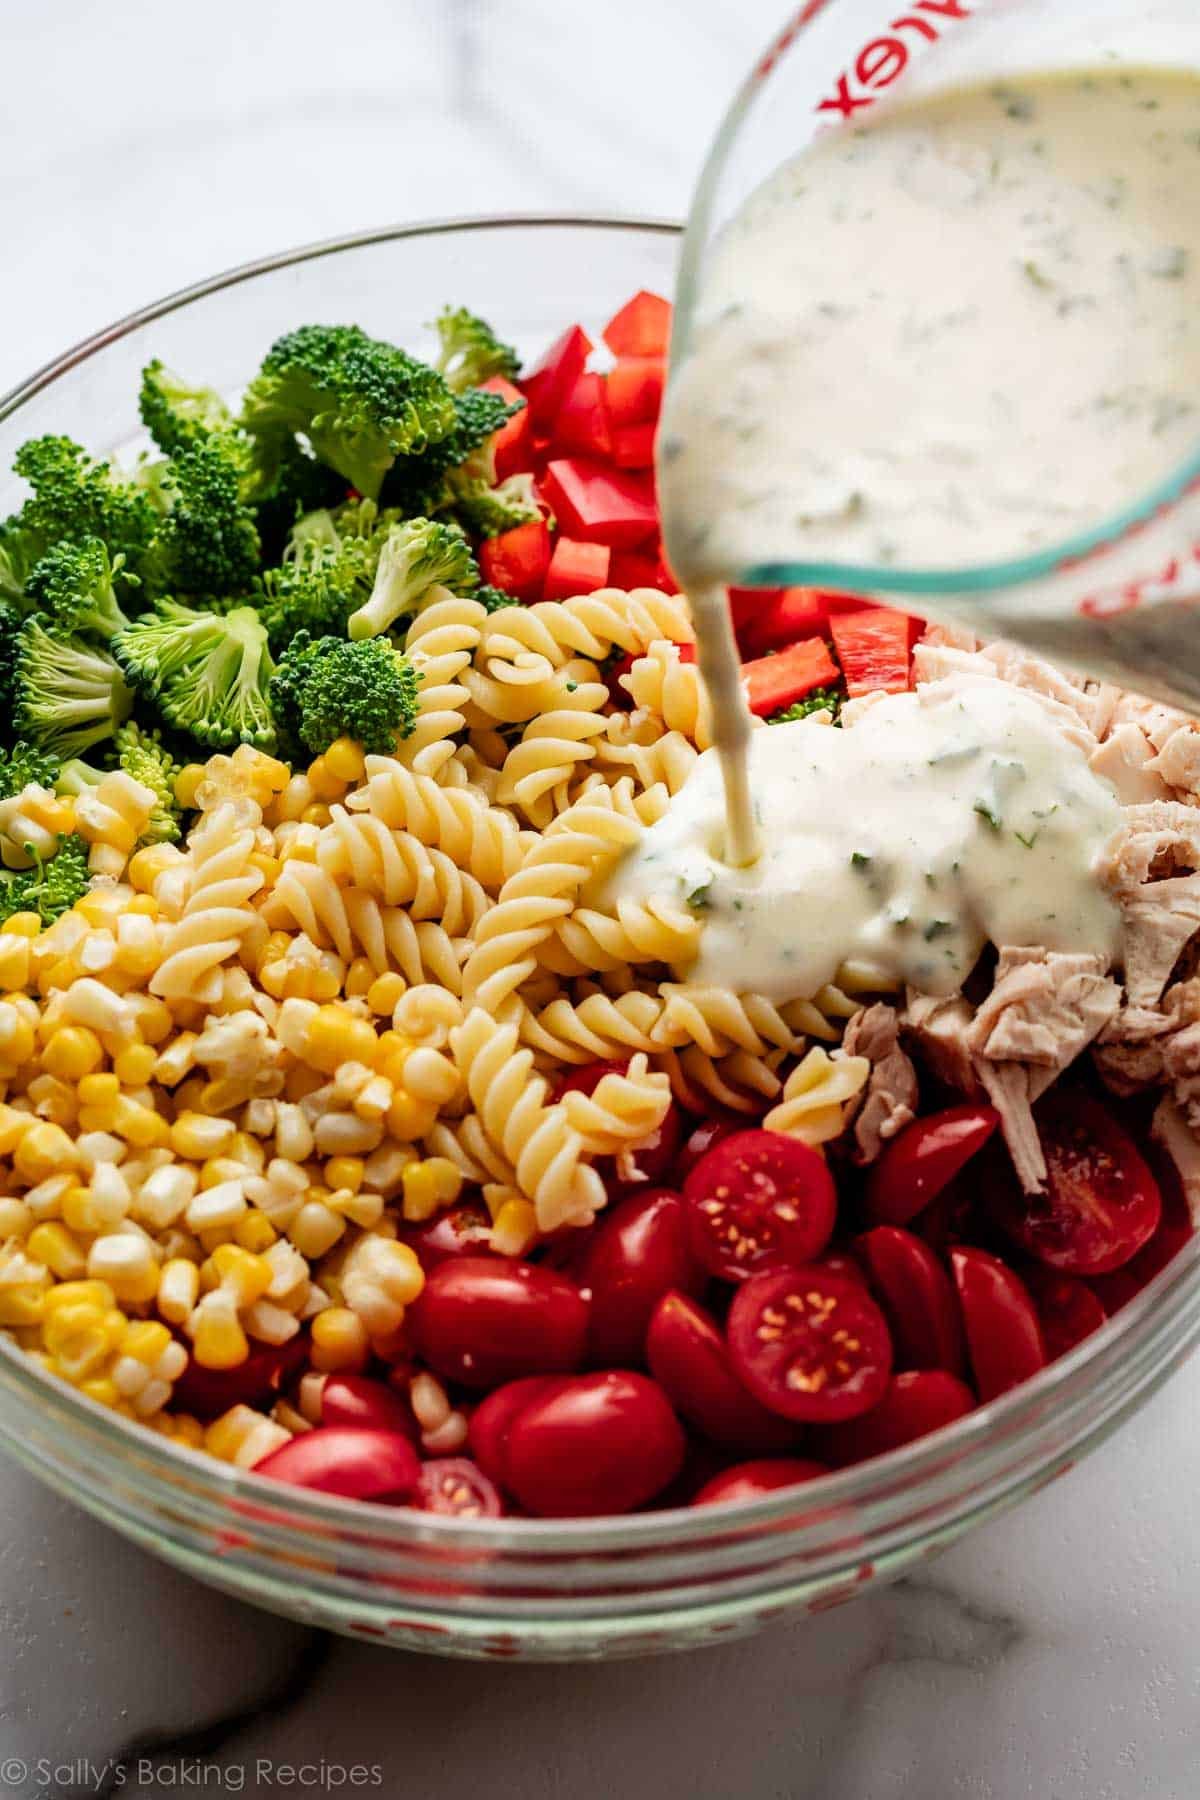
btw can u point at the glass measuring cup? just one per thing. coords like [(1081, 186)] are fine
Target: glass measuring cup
[(1116, 594)]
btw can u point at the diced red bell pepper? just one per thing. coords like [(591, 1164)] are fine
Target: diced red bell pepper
[(633, 569), (634, 389), (517, 560), (576, 568), (873, 649), (551, 379), (581, 424), (633, 446), (642, 327), (600, 505), (512, 444), (775, 682), (794, 613), (745, 604)]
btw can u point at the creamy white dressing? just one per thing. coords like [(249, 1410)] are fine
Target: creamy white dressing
[(941, 820), (964, 331)]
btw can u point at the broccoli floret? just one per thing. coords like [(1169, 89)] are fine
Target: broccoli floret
[(820, 700), (175, 413), (358, 401), (425, 484), (68, 694), (487, 511), (415, 557), (10, 626), (299, 484), (493, 599), (327, 688), (73, 588), (207, 673), (75, 497), (142, 754), (208, 543), (317, 594), (50, 887), (24, 764), (20, 548), (471, 352)]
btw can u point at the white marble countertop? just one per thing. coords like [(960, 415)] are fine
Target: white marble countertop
[(1051, 1653)]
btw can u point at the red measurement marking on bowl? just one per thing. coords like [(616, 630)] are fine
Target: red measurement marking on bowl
[(885, 58)]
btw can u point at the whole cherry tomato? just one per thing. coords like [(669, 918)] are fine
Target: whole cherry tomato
[(638, 1252), (810, 1344), (269, 1368), (347, 1460), (1101, 1203), (913, 1404), (750, 1480), (356, 1400), (462, 1230), (483, 1320), (689, 1358), (917, 1298), (598, 1444), (759, 1200), (1004, 1339), (922, 1159), (492, 1420), (1068, 1310)]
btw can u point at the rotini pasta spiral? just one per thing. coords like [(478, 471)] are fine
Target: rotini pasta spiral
[(483, 841), (440, 643), (815, 1096), (594, 1028), (622, 1111), (216, 921), (670, 689), (739, 1082), (537, 772), (356, 924), (362, 853)]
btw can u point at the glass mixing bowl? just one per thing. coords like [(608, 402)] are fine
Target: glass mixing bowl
[(527, 1588)]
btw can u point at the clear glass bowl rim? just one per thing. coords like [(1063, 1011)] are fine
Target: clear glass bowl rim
[(1153, 1331)]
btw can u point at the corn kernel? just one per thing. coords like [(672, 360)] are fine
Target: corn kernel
[(134, 1066), (244, 1437), (345, 761), (198, 1136), (267, 866), (316, 814), (359, 978), (218, 1341), (428, 1186), (22, 924), (514, 1228), (408, 1118), (99, 1090), (323, 782), (216, 1207), (187, 784), (384, 993), (101, 1389), (254, 1232), (339, 1341), (315, 1229), (52, 1244), (344, 1172), (43, 1150), (127, 1264), (178, 1288), (335, 1037), (247, 1277)]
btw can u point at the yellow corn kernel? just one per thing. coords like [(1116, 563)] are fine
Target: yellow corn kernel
[(178, 1289), (144, 906), (145, 1340), (344, 1172), (134, 1065), (408, 1118), (96, 1294), (335, 1036), (145, 866), (16, 1221), (218, 1341), (254, 1232), (246, 1276), (339, 1341), (243, 1437), (43, 1150), (102, 1389), (53, 1099), (15, 960), (359, 977), (199, 1137), (315, 1229), (514, 1228), (17, 1038), (155, 1021), (72, 1052), (22, 924), (141, 1126), (126, 1262), (187, 783), (323, 782), (180, 1428), (345, 761), (268, 866), (52, 1244), (99, 1090), (22, 1304), (428, 1186), (384, 993)]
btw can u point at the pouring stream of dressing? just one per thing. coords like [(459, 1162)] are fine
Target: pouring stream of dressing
[(963, 332)]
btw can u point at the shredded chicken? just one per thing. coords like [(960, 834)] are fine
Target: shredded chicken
[(1123, 759), (1169, 1128), (889, 1101), (939, 1031)]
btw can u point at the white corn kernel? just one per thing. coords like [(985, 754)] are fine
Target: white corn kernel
[(165, 1195), (216, 1206)]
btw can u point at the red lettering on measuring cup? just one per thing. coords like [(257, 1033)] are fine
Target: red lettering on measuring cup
[(881, 61)]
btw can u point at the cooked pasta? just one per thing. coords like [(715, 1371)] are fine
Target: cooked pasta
[(816, 1094), (663, 685)]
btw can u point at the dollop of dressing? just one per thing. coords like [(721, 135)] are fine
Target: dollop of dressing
[(938, 821)]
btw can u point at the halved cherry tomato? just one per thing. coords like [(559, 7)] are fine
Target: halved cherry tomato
[(749, 1480), (1101, 1203), (642, 327), (343, 1459), (512, 444), (638, 1252), (634, 390), (356, 1400), (598, 1444), (269, 1368), (581, 424), (485, 1320), (776, 682), (915, 1403), (457, 1488), (1174, 1229), (575, 568), (656, 1155), (1004, 1339), (602, 505), (757, 1200), (873, 648), (517, 560), (462, 1230), (711, 1131), (917, 1298), (923, 1158), (492, 1420), (811, 1345), (1067, 1309), (587, 1079), (553, 376), (689, 1358)]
